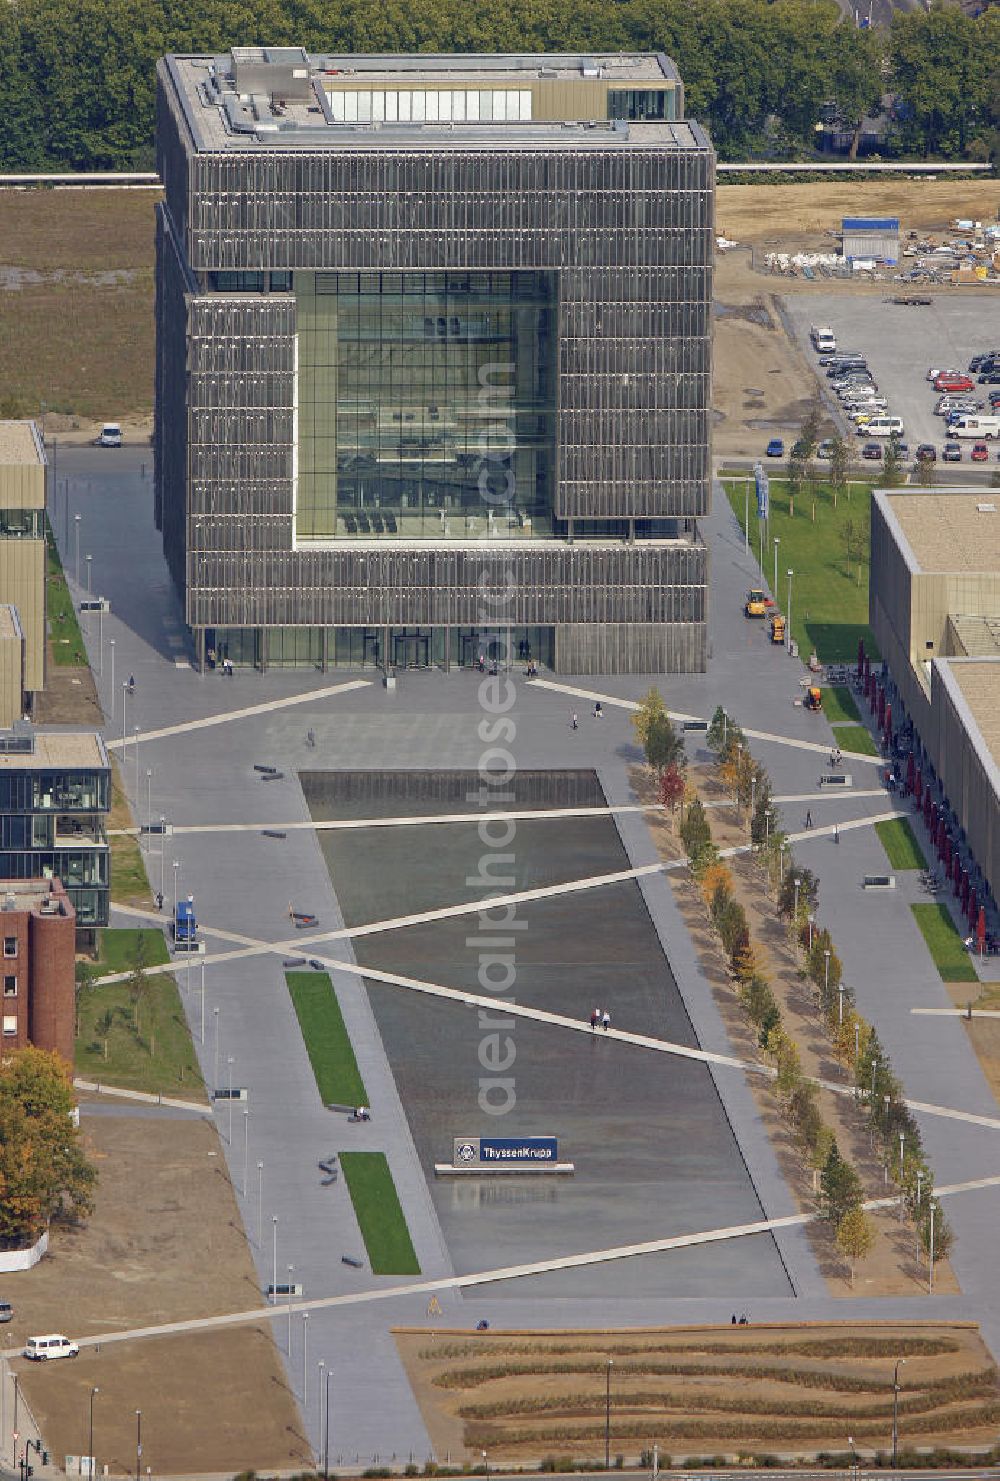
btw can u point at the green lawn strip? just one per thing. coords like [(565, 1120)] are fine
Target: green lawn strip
[(829, 591), (376, 1204), (64, 629), (117, 947), (327, 1041), (944, 943), (856, 738), (900, 844), (159, 1059), (838, 705)]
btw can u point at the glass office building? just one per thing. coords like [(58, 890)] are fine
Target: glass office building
[(434, 359)]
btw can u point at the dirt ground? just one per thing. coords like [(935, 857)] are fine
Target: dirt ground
[(896, 1265), (736, 1391), (165, 1243), (804, 216)]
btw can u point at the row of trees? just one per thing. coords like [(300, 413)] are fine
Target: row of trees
[(44, 1174), (892, 1127), (77, 76)]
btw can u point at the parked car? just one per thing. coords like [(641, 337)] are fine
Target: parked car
[(55, 1345), (110, 436), (937, 370), (992, 378), (6, 1311), (926, 453), (872, 451), (775, 448), (952, 452), (975, 363), (980, 453), (953, 381), (825, 448)]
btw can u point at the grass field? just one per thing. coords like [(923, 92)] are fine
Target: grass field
[(129, 885), (376, 1204), (829, 594), (64, 628), (158, 1056), (944, 943), (116, 949), (839, 706), (900, 844), (327, 1041), (697, 1391), (856, 738)]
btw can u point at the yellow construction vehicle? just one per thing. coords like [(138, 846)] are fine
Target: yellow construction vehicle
[(756, 604), (778, 628), (814, 699)]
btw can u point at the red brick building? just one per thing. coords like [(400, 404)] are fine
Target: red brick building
[(38, 933)]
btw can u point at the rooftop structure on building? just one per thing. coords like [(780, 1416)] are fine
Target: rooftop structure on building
[(935, 612), (38, 938), (55, 794), (430, 327)]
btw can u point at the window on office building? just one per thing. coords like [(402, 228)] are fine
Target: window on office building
[(9, 1025), (10, 946), (10, 987), (432, 105)]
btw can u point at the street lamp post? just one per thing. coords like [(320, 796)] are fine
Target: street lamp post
[(777, 542), (854, 1457), (319, 1400), (930, 1276), (274, 1254), (163, 841), (89, 561), (149, 804), (260, 1201), (895, 1412), (230, 1061), (111, 647), (840, 1005), (789, 623), (291, 1273), (203, 1000), (795, 910), (902, 1141), (215, 1075), (326, 1428), (138, 1445), (826, 983), (76, 525), (135, 742), (607, 1415), (246, 1146), (176, 866), (305, 1358), (124, 719), (100, 642), (90, 1452)]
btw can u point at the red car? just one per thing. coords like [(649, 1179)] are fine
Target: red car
[(980, 452), (951, 382)]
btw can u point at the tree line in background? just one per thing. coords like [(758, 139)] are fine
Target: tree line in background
[(77, 78)]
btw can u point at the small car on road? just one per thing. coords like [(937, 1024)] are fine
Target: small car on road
[(926, 453), (775, 448), (110, 435), (872, 451), (952, 453), (980, 453), (55, 1345)]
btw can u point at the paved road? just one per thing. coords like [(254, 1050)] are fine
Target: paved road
[(204, 775)]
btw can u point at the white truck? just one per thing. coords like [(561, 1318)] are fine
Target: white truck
[(983, 428), (824, 341)]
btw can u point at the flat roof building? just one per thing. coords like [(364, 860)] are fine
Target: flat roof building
[(55, 793), (935, 612), (22, 563), (434, 358)]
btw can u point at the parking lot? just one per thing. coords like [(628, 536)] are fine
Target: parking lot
[(901, 341)]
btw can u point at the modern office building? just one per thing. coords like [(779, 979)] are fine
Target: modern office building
[(935, 612), (434, 358), (55, 793), (22, 566), (38, 927)]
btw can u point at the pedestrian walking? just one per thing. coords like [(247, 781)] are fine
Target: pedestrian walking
[(605, 1020), (575, 723), (809, 818), (595, 1019), (836, 832), (598, 711), (131, 683)]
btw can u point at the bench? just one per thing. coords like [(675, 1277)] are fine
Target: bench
[(836, 779), (879, 882)]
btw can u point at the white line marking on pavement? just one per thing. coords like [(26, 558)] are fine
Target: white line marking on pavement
[(97, 1088), (955, 1013), (262, 709), (335, 825), (504, 1273), (764, 735)]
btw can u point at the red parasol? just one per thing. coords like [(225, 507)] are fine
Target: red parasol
[(973, 906), (911, 772), (888, 722), (981, 929), (861, 657), (918, 788)]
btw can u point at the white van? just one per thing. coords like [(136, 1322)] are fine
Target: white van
[(41, 1349), (824, 341), (110, 436), (885, 427), (977, 426)]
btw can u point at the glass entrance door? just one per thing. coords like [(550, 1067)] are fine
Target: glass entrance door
[(410, 650)]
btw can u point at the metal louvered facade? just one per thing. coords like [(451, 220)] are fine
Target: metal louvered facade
[(612, 463)]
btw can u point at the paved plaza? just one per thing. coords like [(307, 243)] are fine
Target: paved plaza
[(199, 740)]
